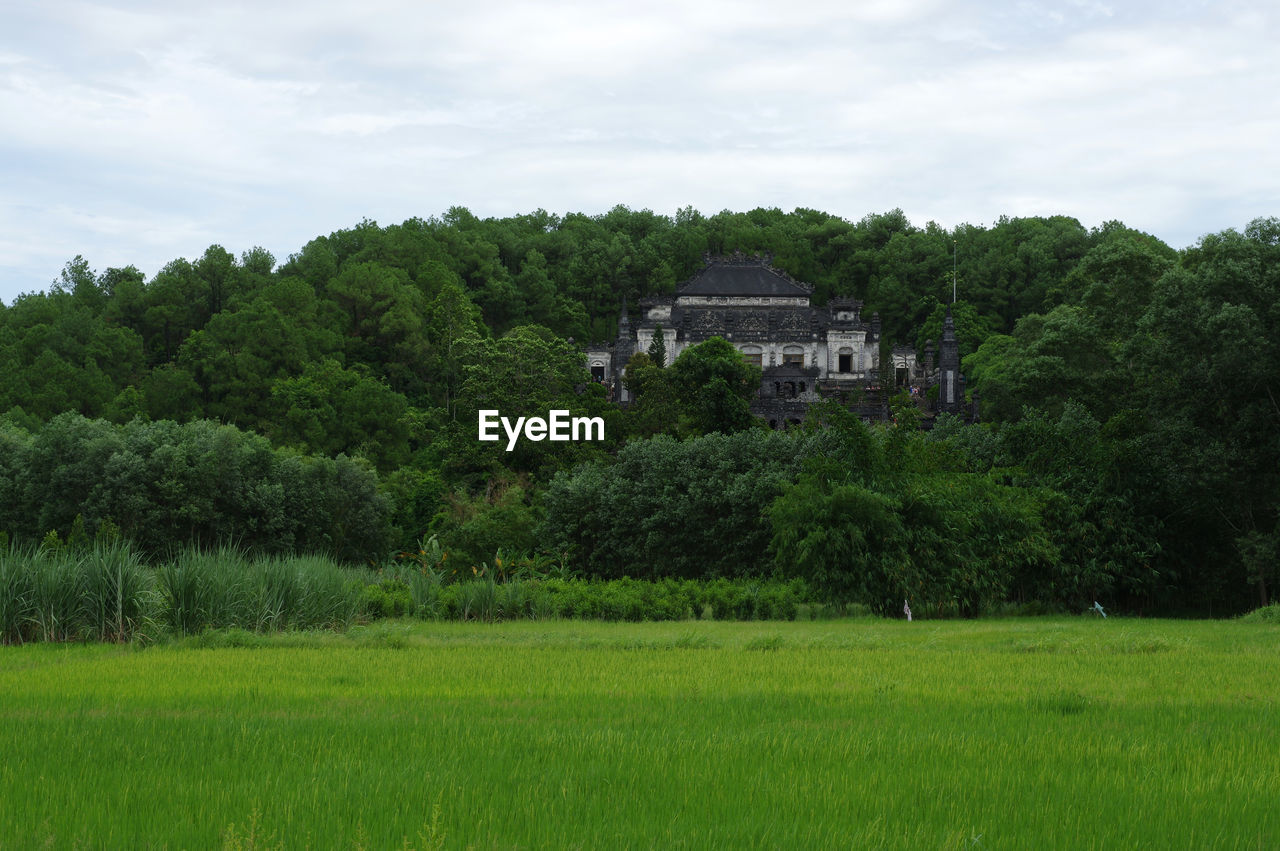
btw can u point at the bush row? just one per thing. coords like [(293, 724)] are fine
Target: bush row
[(688, 509), (167, 485), (422, 595), (104, 592)]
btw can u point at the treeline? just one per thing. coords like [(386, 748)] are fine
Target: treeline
[(1151, 397), (1127, 392), (958, 520), (165, 486), (375, 322)]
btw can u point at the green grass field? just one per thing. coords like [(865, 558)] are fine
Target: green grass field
[(1060, 733)]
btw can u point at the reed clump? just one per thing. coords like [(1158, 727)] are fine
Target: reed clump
[(104, 592), (101, 592)]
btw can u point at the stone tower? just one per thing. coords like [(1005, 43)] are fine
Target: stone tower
[(623, 349), (950, 394)]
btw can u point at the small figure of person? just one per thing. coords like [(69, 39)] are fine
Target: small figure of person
[(906, 609)]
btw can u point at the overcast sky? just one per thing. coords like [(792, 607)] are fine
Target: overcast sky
[(134, 133)]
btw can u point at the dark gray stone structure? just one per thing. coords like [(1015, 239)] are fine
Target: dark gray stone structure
[(806, 353), (950, 392)]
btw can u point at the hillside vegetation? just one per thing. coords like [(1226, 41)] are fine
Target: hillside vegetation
[(1129, 451)]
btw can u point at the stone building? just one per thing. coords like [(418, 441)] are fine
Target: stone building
[(806, 353)]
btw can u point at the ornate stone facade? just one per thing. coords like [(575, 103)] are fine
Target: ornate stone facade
[(806, 353)]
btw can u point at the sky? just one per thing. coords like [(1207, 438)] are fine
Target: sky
[(137, 133)]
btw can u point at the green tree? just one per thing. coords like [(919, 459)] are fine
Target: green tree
[(715, 386), (972, 329), (676, 508), (474, 528), (240, 353), (381, 319), (332, 410), (656, 408), (166, 485), (845, 539), (658, 347), (453, 327), (1049, 360), (59, 355), (527, 372), (1204, 357), (176, 304), (889, 519)]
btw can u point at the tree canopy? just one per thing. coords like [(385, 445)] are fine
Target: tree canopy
[(1129, 449)]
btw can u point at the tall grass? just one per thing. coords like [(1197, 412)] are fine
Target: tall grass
[(105, 593), (56, 594), (117, 598), (215, 589)]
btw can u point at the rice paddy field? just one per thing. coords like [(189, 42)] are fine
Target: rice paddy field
[(1020, 733)]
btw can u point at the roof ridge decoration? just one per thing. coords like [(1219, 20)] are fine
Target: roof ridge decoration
[(740, 260)]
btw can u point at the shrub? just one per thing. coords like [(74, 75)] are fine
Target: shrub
[(196, 484), (542, 603), (677, 508), (390, 598), (17, 603), (327, 595), (515, 599), (1266, 614), (205, 589), (450, 603), (54, 594)]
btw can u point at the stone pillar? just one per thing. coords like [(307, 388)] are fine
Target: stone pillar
[(623, 349), (950, 392)]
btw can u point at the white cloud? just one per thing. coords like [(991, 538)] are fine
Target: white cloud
[(145, 131)]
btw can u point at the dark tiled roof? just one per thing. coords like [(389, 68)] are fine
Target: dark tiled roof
[(744, 279)]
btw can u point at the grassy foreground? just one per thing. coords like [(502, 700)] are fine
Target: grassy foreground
[(1063, 733)]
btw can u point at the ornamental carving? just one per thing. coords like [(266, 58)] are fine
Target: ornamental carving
[(796, 321), (707, 320)]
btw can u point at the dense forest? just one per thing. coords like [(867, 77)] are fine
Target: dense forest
[(1129, 449)]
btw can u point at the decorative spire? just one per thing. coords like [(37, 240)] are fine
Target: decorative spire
[(948, 327)]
